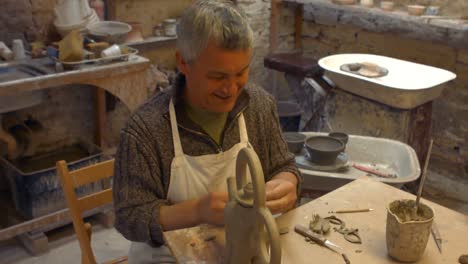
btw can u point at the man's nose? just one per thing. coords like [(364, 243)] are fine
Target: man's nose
[(230, 85)]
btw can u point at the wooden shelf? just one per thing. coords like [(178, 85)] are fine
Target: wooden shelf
[(151, 40)]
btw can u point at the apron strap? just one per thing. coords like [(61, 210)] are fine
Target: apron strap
[(244, 138), (178, 151)]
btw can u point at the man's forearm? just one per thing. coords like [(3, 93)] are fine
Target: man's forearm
[(180, 215), (286, 175)]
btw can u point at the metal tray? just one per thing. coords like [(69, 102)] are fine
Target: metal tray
[(98, 61), (384, 155)]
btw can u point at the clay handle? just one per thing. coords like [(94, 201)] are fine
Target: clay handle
[(273, 236), (247, 156)]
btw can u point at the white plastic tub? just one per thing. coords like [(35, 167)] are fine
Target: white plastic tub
[(406, 86), (385, 155)]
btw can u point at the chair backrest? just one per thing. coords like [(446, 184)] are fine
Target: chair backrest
[(73, 179)]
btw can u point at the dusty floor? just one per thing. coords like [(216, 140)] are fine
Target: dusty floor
[(108, 243)]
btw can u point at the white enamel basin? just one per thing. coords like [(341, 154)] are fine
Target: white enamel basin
[(406, 86)]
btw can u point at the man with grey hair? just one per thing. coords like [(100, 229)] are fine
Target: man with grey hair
[(178, 149)]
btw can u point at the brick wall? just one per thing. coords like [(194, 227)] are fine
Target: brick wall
[(258, 12), (26, 19), (68, 113), (449, 161)]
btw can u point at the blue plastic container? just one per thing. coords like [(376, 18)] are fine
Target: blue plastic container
[(39, 192)]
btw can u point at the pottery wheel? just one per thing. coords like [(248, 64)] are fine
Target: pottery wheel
[(303, 162), (365, 69)]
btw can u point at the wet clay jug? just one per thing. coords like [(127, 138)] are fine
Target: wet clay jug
[(251, 230)]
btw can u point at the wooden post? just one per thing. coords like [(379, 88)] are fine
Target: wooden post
[(420, 128), (274, 16), (111, 9), (100, 117), (298, 27), (35, 242)]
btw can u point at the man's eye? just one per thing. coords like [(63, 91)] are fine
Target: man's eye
[(216, 77)]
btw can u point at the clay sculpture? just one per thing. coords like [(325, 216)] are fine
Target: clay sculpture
[(249, 225)]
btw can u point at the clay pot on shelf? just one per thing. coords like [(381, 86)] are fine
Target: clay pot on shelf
[(344, 2), (387, 5), (135, 34), (367, 3), (416, 10)]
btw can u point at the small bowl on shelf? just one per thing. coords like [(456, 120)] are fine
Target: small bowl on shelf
[(113, 32)]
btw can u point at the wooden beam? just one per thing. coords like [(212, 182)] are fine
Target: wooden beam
[(299, 17), (44, 223)]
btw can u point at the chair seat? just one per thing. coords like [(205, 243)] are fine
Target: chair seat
[(293, 63), (121, 260)]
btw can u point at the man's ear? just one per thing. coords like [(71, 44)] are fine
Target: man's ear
[(181, 63)]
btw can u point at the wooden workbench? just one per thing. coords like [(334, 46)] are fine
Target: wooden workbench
[(190, 244)]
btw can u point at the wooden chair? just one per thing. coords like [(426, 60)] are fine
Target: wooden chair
[(74, 179)]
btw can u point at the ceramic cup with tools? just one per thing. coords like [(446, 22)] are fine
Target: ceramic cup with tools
[(407, 231)]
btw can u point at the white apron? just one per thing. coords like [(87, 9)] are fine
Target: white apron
[(192, 177), (195, 176)]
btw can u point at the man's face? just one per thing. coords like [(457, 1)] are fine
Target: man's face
[(216, 78)]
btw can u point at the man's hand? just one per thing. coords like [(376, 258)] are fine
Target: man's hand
[(211, 208), (281, 193)]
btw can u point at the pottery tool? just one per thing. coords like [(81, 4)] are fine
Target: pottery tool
[(321, 240), (375, 172), (345, 258), (423, 179), (436, 235), (351, 211)]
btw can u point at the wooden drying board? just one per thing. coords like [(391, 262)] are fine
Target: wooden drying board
[(201, 243), (361, 193)]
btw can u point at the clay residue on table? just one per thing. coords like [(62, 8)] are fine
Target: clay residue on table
[(404, 210)]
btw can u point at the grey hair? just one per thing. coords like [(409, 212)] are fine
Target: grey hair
[(217, 20)]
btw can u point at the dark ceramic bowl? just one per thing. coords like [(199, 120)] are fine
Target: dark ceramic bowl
[(340, 135), (295, 141), (323, 150)]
